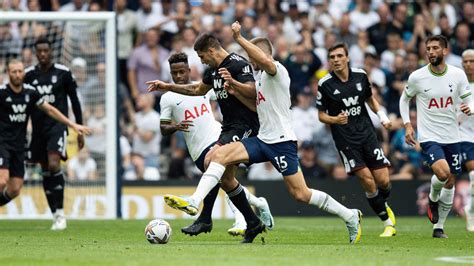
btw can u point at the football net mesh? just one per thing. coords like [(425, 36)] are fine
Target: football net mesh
[(80, 46)]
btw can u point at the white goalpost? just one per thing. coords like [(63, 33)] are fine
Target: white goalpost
[(85, 42)]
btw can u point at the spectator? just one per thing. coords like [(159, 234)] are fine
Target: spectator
[(357, 51), (378, 32), (148, 16), (396, 82), (343, 31), (463, 39), (75, 5), (263, 171), (146, 139), (308, 162), (394, 47), (82, 167), (363, 17), (126, 28), (96, 141), (305, 117)]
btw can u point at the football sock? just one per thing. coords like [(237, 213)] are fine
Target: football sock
[(444, 206), (377, 203), (238, 197), (209, 180), (206, 213), (58, 188), (48, 186), (330, 205), (385, 192), (471, 178), (4, 198), (254, 201), (436, 186), (239, 218)]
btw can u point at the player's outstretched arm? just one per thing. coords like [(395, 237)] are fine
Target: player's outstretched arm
[(341, 119), (237, 88), (185, 89), (264, 61), (58, 116), (375, 107)]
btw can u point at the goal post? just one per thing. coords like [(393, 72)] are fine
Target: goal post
[(95, 199)]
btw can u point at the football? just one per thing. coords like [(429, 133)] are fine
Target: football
[(158, 231)]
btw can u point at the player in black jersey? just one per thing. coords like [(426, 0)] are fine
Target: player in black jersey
[(17, 102), (55, 83), (233, 93), (341, 99)]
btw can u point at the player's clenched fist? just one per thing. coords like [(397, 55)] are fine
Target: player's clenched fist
[(342, 118), (236, 29)]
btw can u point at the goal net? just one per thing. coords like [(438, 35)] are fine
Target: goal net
[(86, 44)]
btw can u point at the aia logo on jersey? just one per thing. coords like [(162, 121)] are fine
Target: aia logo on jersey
[(440, 103), (260, 98), (191, 114)]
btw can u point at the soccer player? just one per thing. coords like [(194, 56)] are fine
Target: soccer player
[(276, 142), (341, 99), (193, 116), (239, 121), (48, 144), (439, 88), (466, 129), (17, 101)]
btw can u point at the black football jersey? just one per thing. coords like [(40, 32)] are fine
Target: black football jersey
[(15, 109), (54, 85), (335, 96), (234, 112)]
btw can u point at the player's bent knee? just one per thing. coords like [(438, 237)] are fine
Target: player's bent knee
[(300, 195)]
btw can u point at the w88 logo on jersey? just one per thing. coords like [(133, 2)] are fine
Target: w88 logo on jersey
[(353, 111)]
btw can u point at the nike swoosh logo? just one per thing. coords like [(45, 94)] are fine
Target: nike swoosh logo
[(178, 103), (427, 90)]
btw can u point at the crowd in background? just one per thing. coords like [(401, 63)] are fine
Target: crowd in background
[(385, 38)]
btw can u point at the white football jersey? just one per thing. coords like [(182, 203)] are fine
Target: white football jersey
[(466, 123), (205, 130), (273, 106), (437, 99)]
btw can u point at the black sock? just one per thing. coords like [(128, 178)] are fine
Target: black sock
[(385, 191), (58, 188), (48, 186), (208, 205), (238, 197), (378, 205), (4, 198)]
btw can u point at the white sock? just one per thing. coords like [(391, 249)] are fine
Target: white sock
[(436, 186), (254, 201), (328, 204), (387, 222), (209, 179), (444, 206), (239, 217), (471, 178)]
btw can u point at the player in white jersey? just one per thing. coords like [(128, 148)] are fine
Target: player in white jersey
[(439, 89), (193, 116), (275, 142), (466, 129)]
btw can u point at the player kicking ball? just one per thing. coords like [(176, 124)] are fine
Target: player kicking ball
[(276, 142), (439, 89), (193, 116), (17, 101)]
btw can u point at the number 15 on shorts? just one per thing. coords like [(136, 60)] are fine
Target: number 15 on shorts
[(281, 162)]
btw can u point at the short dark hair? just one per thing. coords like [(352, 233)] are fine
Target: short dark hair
[(206, 41), (178, 58), (339, 45), (42, 40), (439, 38), (266, 43)]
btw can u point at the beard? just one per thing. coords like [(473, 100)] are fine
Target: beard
[(437, 60)]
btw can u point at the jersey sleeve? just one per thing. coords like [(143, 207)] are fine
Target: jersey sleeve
[(166, 110), (207, 77), (212, 95), (242, 71), (411, 88), (464, 89), (367, 87), (320, 100)]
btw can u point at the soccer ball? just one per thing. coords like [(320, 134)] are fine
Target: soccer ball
[(158, 231)]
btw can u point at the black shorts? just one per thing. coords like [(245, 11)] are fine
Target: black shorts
[(51, 141), (235, 134), (369, 154), (12, 160)]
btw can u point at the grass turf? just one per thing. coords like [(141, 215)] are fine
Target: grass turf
[(294, 241)]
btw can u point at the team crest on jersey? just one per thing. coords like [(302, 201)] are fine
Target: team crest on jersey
[(54, 79), (27, 98), (359, 86)]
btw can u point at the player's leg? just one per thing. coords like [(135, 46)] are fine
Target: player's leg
[(469, 210), (381, 177), (12, 170), (299, 190), (239, 226), (4, 175)]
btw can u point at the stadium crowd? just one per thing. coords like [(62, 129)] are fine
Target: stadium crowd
[(385, 38)]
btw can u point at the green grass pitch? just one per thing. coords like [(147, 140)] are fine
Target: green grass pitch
[(294, 241)]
